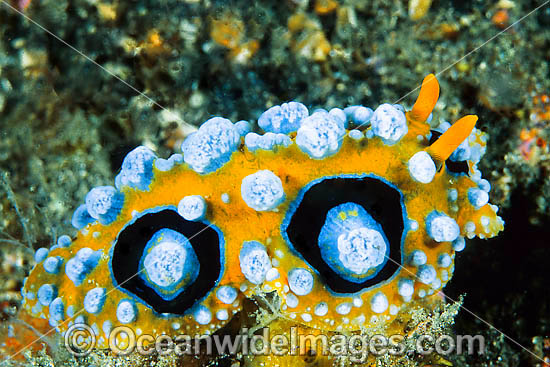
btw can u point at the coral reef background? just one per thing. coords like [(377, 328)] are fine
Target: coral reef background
[(66, 123)]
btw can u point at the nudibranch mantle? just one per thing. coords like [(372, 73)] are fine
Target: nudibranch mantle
[(347, 215)]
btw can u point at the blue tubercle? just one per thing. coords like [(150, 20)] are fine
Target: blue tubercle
[(107, 326), (285, 118), (169, 263), (164, 165), (352, 243), (389, 123), (359, 115), (379, 303), (81, 265), (452, 194), (192, 207), (422, 167), (477, 197), (176, 158), (137, 169), (126, 311), (254, 261), (46, 294), (355, 134), (70, 311), (243, 127), (462, 153), (94, 300), (444, 260), (417, 258), (57, 311), (226, 294), (41, 254), (104, 203), (64, 241), (211, 146), (405, 287), (426, 274), (459, 244), (202, 314), (320, 135), (340, 115), (441, 227), (52, 264), (81, 217), (262, 190), (300, 281), (484, 185), (268, 141)]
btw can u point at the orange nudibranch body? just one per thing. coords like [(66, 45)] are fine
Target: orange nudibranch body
[(346, 215)]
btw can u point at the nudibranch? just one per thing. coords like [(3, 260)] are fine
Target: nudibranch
[(348, 215)]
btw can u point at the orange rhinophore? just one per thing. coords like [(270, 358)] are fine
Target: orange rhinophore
[(443, 147), (424, 105)]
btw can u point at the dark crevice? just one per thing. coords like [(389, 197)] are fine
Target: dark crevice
[(129, 249), (380, 200)]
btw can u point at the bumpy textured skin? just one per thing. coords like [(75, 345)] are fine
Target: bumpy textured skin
[(238, 223)]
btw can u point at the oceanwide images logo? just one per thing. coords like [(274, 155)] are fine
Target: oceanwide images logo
[(80, 340)]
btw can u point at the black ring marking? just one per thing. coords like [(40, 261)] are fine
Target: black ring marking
[(128, 250), (380, 200)]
